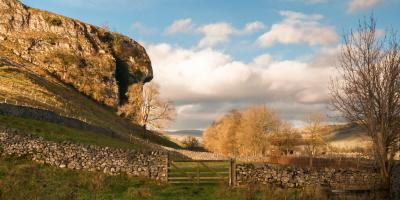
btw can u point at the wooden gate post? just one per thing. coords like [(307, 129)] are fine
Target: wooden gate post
[(167, 170), (232, 172), (198, 172)]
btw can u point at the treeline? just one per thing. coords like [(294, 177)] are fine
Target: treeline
[(256, 131)]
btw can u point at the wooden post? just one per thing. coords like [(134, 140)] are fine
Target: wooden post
[(232, 173), (167, 170), (198, 173)]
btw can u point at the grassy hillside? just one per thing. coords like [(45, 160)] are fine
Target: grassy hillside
[(59, 133), (181, 135), (348, 136), (33, 87)]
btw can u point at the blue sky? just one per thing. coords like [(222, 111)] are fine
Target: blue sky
[(212, 56)]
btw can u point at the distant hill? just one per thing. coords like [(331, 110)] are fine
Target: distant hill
[(348, 136), (196, 133), (179, 135)]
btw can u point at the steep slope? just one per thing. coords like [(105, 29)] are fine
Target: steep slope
[(68, 67)]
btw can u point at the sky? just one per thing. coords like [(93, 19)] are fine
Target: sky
[(212, 56)]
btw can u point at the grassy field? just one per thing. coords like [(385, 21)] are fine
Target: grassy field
[(22, 179)]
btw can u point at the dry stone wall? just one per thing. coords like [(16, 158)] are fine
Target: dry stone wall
[(85, 157), (395, 182), (341, 179)]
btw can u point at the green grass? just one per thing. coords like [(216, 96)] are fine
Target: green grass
[(59, 133), (23, 179)]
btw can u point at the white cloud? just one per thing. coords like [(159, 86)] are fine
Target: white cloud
[(253, 27), (205, 83), (215, 33), (180, 26), (298, 28), (262, 60), (221, 32), (356, 5)]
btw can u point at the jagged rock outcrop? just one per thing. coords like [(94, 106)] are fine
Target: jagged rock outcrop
[(95, 61)]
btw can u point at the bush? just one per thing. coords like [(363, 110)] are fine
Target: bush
[(191, 143), (71, 59), (106, 37), (54, 21)]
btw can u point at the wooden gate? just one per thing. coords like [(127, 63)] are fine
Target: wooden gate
[(201, 171)]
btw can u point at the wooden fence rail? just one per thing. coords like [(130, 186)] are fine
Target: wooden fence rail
[(201, 171)]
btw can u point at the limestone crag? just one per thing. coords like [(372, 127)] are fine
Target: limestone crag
[(152, 164), (77, 53)]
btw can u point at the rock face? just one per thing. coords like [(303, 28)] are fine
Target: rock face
[(95, 61), (152, 164)]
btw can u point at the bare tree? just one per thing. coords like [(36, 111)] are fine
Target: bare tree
[(367, 90), (286, 139), (144, 106), (313, 139), (155, 112)]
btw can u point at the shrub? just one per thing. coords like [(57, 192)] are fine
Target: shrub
[(191, 143), (54, 21), (71, 59), (106, 37)]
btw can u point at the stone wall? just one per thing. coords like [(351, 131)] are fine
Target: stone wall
[(197, 155), (337, 179), (86, 157), (395, 182)]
